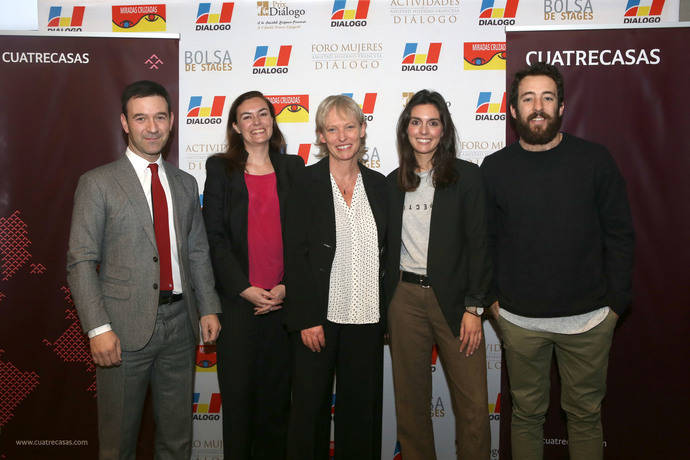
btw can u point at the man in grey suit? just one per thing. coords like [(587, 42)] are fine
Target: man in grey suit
[(140, 275)]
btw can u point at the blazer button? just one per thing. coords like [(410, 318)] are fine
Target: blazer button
[(155, 259), (155, 285)]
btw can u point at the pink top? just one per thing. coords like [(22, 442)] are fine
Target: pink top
[(264, 235)]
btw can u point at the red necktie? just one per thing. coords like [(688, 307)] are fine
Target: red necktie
[(160, 225)]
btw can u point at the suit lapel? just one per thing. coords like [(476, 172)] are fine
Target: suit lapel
[(128, 180), (375, 197), (325, 194), (396, 209)]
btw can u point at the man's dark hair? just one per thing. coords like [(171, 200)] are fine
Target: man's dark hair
[(538, 68), (143, 88)]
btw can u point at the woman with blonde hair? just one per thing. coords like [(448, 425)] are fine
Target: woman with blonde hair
[(336, 231)]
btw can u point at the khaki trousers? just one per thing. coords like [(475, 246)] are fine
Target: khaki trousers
[(582, 364), (416, 323)]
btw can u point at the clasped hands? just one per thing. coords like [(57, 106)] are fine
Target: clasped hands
[(264, 301)]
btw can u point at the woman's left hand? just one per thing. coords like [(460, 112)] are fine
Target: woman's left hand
[(470, 333), (278, 292)]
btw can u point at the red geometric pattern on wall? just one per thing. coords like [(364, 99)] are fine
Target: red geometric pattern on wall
[(72, 346), (15, 386), (37, 269), (13, 245)]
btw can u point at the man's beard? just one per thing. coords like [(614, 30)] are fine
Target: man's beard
[(541, 136)]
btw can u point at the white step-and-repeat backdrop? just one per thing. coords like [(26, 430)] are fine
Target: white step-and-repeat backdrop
[(379, 52)]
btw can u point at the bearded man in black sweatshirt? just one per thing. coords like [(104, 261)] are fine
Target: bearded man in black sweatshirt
[(561, 238)]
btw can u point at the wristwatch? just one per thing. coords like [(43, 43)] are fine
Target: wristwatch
[(476, 311)]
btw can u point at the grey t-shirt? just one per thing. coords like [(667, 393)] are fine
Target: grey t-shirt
[(415, 225)]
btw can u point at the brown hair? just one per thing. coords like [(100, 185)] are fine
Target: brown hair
[(443, 161), (236, 153)]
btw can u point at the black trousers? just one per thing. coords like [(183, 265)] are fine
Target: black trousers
[(354, 353), (254, 379)]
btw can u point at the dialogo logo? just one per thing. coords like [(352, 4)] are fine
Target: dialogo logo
[(495, 408), (59, 23), (263, 63), (292, 108), (197, 114), (216, 17), (139, 18), (397, 455), (349, 13), (485, 56), (491, 13), (367, 105), (645, 13), (488, 108), (420, 62), (303, 152), (208, 407)]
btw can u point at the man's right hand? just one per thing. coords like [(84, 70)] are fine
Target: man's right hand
[(494, 309), (105, 349)]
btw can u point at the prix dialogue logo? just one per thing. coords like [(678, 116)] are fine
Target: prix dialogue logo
[(491, 13), (292, 108), (263, 63), (277, 15), (59, 23), (197, 114), (490, 109), (367, 105), (485, 56), (349, 13), (645, 13), (216, 17), (139, 18), (421, 62), (207, 408), (573, 10)]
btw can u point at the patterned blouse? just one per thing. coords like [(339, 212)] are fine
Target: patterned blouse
[(353, 295)]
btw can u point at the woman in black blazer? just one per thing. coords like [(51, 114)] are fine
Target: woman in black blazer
[(437, 275), (244, 210), (336, 231)]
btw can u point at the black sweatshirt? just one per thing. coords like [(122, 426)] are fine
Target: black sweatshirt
[(560, 230)]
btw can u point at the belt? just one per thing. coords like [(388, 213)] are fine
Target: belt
[(167, 297), (414, 278)]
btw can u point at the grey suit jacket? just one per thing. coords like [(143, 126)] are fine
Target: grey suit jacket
[(112, 260)]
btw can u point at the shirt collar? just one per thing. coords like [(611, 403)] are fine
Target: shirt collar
[(139, 163)]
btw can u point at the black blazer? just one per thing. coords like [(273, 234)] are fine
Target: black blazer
[(458, 263), (225, 210), (311, 242)]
